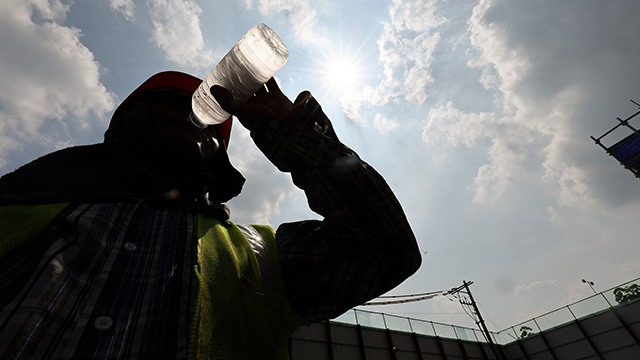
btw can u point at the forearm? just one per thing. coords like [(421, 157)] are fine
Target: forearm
[(362, 248)]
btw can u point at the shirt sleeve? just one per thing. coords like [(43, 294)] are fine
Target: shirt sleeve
[(363, 247)]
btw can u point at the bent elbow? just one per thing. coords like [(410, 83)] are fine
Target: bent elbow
[(412, 260), (402, 263)]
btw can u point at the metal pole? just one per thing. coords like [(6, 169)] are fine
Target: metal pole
[(475, 308), (481, 321)]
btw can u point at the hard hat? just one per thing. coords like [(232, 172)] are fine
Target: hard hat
[(166, 79)]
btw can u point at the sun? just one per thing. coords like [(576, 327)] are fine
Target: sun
[(343, 68), (341, 74)]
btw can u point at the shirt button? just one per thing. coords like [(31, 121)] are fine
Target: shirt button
[(275, 124), (103, 323), (130, 247)]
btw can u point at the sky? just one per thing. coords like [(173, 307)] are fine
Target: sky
[(477, 113)]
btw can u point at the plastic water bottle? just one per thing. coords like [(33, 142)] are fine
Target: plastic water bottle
[(243, 70)]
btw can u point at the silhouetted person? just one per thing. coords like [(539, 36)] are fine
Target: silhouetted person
[(124, 249)]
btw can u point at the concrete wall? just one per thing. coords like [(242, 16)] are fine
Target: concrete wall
[(322, 341), (611, 334)]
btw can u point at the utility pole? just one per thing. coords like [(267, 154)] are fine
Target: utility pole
[(479, 321)]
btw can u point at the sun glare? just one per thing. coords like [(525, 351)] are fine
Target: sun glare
[(343, 68), (341, 74)]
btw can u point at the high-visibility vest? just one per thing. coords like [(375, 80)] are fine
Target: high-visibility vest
[(239, 316)]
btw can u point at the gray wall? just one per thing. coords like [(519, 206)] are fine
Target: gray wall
[(356, 342), (610, 334)]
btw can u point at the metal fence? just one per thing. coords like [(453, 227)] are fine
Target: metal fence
[(589, 306), (596, 303), (393, 322)]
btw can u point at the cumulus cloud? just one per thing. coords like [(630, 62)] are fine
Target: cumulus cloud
[(65, 88), (494, 179), (502, 67), (546, 68), (301, 15), (124, 7), (384, 124), (574, 190), (406, 49), (447, 124), (504, 142), (553, 75), (176, 30), (266, 187)]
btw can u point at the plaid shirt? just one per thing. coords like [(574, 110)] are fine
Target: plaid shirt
[(125, 268), (117, 280)]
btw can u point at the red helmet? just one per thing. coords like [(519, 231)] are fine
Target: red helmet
[(167, 79)]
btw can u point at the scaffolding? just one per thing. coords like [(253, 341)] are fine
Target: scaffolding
[(627, 150)]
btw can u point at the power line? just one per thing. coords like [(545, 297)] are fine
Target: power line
[(410, 295), (429, 313), (400, 301), (489, 316), (404, 298)]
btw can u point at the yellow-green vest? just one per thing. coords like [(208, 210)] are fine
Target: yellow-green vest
[(238, 318)]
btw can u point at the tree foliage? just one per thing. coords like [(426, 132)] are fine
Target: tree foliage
[(627, 293), (525, 331)]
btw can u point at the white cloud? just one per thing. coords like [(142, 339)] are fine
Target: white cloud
[(495, 178), (533, 287), (447, 124), (548, 81), (505, 143), (574, 189), (176, 30), (125, 7), (406, 56), (383, 124), (406, 49), (49, 10), (529, 294), (266, 187), (503, 66), (65, 88), (408, 44), (301, 15)]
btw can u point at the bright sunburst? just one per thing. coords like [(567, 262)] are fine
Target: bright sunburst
[(343, 70), (343, 67), (341, 74)]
